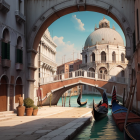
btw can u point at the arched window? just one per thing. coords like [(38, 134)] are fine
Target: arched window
[(102, 73), (122, 58), (19, 52), (103, 57), (85, 58), (113, 57), (91, 69), (93, 57), (5, 46)]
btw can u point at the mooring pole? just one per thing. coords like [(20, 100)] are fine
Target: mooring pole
[(62, 100), (50, 99), (69, 99)]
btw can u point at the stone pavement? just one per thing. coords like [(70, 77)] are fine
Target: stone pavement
[(51, 123)]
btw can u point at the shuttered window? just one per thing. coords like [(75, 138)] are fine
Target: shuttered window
[(19, 58), (5, 50)]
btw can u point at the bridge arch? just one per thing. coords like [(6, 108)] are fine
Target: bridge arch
[(57, 9)]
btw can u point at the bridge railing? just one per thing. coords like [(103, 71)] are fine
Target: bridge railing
[(83, 73)]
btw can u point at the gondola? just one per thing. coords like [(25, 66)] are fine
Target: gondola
[(131, 130), (119, 113), (79, 100), (100, 110)]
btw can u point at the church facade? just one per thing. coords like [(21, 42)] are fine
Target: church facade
[(104, 53)]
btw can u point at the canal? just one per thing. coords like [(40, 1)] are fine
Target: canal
[(96, 130)]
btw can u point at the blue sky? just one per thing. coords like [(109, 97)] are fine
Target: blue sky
[(71, 31)]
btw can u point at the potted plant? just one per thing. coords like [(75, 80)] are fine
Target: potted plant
[(20, 108), (28, 103), (35, 110)]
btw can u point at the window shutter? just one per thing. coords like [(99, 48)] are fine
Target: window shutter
[(8, 51), (3, 50), (21, 56)]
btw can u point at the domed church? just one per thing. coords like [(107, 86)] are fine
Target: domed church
[(104, 53)]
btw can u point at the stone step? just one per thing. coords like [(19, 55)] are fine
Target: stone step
[(7, 115), (6, 112), (5, 118)]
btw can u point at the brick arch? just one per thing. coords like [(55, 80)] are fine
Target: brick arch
[(58, 88), (59, 9), (45, 21)]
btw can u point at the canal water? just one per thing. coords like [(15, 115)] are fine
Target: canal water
[(96, 130)]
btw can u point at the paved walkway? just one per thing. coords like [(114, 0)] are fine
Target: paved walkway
[(48, 120)]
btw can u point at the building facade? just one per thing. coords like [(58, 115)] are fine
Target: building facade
[(104, 53), (12, 53), (45, 60), (68, 68)]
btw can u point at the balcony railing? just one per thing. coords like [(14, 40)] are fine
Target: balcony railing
[(20, 17), (6, 63), (19, 66), (4, 6), (46, 60), (85, 74), (95, 62)]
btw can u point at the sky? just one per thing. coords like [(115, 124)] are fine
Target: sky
[(71, 31)]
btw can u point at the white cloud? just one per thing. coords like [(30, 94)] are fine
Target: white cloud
[(80, 24), (64, 48)]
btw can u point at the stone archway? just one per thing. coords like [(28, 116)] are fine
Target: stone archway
[(3, 93), (55, 10)]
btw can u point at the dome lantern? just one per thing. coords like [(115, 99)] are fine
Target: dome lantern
[(104, 23)]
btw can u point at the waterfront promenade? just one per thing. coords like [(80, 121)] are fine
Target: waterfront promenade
[(51, 123)]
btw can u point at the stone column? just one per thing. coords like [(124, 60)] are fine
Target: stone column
[(30, 75)]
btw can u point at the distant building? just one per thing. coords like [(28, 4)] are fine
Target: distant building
[(104, 53), (69, 67), (45, 60)]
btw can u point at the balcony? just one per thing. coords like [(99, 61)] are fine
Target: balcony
[(20, 17), (6, 63), (4, 7), (19, 66)]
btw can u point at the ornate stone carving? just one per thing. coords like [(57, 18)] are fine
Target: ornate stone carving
[(42, 18), (123, 19), (35, 28)]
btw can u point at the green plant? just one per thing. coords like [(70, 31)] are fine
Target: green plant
[(28, 102), (35, 107)]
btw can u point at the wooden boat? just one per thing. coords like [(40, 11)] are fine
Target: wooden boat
[(100, 110), (131, 130), (119, 113), (79, 100)]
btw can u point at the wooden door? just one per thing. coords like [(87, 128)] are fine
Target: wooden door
[(11, 97), (3, 95), (18, 92)]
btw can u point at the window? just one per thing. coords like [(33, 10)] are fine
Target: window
[(93, 57), (137, 24), (85, 58), (103, 57), (113, 57), (122, 57), (19, 58), (5, 51)]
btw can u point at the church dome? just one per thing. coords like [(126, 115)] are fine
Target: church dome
[(104, 35)]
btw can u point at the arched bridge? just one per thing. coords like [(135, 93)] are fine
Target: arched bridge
[(58, 84)]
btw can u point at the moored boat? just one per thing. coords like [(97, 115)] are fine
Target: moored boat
[(100, 110), (119, 113), (79, 100)]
